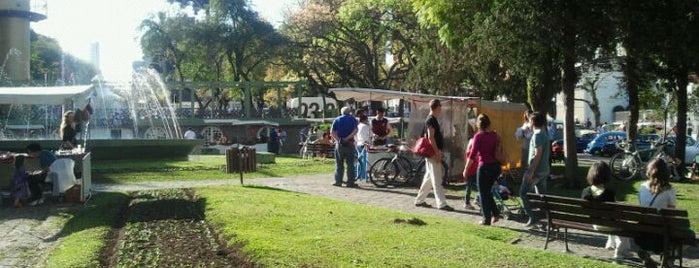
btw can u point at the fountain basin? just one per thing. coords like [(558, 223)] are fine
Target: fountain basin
[(127, 149)]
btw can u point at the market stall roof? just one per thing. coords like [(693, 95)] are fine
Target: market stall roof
[(237, 122), (391, 120), (371, 94), (44, 95)]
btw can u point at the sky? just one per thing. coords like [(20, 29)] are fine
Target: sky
[(113, 24)]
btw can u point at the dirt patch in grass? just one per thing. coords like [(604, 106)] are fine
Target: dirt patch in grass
[(167, 228)]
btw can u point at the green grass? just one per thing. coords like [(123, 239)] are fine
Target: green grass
[(286, 229), (83, 236), (289, 229), (204, 167)]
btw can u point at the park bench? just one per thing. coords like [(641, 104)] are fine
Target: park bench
[(317, 149), (627, 220)]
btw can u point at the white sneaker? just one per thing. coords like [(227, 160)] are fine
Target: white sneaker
[(36, 202)]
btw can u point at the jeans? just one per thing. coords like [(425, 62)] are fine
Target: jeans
[(432, 180), (470, 184), (345, 154), (361, 163), (538, 184), (486, 178)]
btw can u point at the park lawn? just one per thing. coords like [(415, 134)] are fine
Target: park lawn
[(204, 167), (85, 233), (287, 229)]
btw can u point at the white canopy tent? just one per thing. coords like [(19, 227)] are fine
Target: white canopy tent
[(370, 94), (45, 95)]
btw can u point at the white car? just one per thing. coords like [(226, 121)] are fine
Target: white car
[(691, 149)]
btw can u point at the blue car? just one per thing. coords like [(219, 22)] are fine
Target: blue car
[(605, 143)]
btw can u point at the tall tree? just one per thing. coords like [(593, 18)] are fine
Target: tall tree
[(345, 43)]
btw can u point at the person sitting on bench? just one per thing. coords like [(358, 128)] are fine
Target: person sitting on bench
[(36, 179)]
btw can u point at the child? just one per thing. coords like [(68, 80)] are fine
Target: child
[(598, 176), (19, 182), (501, 190), (470, 176)]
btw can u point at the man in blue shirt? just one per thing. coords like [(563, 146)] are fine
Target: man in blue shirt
[(538, 171), (343, 130), (35, 180)]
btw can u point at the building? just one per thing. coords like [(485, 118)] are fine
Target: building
[(612, 98)]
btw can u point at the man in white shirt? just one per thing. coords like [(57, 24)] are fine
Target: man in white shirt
[(363, 138), (190, 134)]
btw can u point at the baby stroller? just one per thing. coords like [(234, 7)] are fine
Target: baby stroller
[(508, 204)]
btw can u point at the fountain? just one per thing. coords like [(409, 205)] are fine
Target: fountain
[(131, 120)]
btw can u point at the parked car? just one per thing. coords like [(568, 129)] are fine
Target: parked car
[(605, 143), (583, 137), (691, 149)]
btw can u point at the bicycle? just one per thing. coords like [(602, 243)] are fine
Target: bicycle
[(403, 168), (627, 164)]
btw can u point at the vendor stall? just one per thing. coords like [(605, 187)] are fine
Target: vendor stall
[(69, 97), (458, 120)]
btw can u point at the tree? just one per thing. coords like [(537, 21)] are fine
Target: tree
[(47, 59), (237, 46), (345, 43), (678, 55), (540, 41)]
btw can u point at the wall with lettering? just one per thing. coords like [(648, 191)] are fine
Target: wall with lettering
[(313, 107)]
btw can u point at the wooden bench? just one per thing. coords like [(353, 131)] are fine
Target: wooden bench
[(627, 220), (317, 149)]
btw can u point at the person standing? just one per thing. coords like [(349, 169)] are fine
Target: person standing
[(190, 134), (470, 175), (483, 152), (380, 128), (274, 141), (524, 134), (538, 170), (433, 165), (363, 138), (343, 129), (68, 131)]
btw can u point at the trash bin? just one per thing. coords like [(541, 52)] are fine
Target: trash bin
[(241, 160)]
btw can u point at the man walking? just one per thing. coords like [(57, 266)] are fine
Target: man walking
[(433, 165), (343, 130), (538, 171)]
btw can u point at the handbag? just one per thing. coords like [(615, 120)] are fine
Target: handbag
[(500, 153), (423, 147)]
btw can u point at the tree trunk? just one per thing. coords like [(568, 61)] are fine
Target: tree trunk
[(631, 73), (570, 78), (681, 142)]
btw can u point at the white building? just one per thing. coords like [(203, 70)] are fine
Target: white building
[(612, 99)]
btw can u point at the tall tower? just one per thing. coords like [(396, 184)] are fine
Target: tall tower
[(15, 16)]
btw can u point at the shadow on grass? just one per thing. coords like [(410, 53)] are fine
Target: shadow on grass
[(103, 210), (262, 187)]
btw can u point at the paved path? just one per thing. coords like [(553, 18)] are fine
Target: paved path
[(25, 233)]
